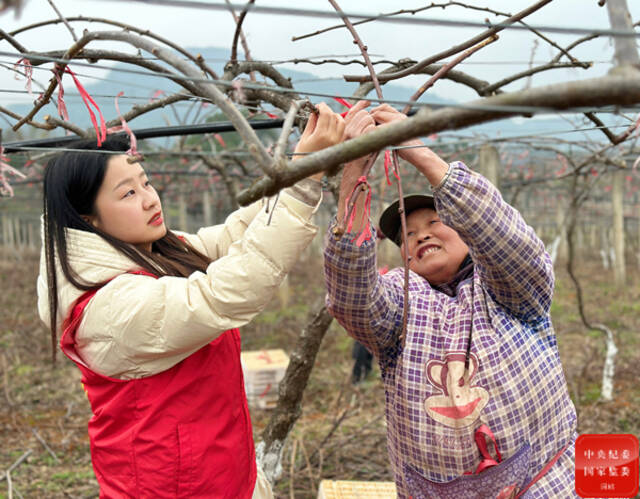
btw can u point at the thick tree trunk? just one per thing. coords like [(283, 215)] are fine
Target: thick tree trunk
[(288, 410)]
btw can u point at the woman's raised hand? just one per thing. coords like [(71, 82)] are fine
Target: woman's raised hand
[(424, 159), (358, 121), (385, 114), (323, 129)]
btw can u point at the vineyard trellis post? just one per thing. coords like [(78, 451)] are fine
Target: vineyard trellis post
[(617, 198), (489, 164)]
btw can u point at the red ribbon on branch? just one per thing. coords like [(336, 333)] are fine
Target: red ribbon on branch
[(387, 164), (5, 187), (133, 143), (365, 234), (101, 130), (62, 107), (101, 133), (344, 103), (28, 72)]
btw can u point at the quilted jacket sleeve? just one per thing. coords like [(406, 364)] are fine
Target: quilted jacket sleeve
[(136, 326)]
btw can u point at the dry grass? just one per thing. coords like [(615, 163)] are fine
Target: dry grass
[(341, 433)]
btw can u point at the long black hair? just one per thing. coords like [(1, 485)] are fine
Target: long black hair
[(71, 183)]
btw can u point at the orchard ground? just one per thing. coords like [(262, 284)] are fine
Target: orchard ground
[(341, 433)]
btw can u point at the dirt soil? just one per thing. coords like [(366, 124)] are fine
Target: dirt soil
[(341, 434)]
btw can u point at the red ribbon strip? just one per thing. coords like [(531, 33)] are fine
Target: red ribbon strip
[(62, 107), (387, 163), (265, 391), (488, 461), (28, 72), (133, 143), (5, 187), (344, 103), (365, 234), (101, 132)]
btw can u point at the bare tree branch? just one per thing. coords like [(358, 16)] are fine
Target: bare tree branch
[(236, 35), (95, 55), (277, 99), (596, 92), (361, 46), (287, 412), (614, 139), (15, 43), (67, 126), (64, 20), (42, 126), (138, 110), (491, 89), (445, 69), (233, 70), (197, 59), (281, 145), (456, 49), (203, 89), (573, 45)]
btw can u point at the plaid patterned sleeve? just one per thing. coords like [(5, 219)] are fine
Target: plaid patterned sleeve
[(511, 260), (366, 304)]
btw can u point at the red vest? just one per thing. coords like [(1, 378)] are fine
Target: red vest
[(184, 432)]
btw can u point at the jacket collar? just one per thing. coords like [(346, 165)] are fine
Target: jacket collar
[(91, 257), (464, 272)]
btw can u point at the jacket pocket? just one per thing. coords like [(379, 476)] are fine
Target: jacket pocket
[(115, 468), (186, 466), (501, 481)]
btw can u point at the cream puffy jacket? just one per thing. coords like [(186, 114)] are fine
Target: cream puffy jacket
[(136, 326)]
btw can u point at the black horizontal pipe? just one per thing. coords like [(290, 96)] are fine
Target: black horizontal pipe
[(148, 133)]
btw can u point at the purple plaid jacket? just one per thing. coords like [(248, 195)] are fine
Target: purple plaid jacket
[(439, 389)]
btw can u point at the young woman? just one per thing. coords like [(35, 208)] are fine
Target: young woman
[(150, 318), (477, 404)]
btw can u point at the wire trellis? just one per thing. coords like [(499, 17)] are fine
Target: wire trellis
[(285, 90), (413, 20)]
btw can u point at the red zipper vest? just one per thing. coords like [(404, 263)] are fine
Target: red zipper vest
[(184, 432)]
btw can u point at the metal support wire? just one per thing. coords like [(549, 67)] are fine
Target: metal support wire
[(406, 20)]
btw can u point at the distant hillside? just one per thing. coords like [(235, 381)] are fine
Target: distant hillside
[(145, 86)]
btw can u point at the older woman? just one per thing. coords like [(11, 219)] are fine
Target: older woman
[(476, 400)]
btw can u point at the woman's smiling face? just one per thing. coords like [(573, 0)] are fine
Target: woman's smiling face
[(127, 207), (436, 250)]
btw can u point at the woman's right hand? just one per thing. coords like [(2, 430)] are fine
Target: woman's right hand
[(358, 121), (323, 129)]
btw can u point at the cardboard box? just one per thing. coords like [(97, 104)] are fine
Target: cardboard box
[(347, 489), (263, 370)]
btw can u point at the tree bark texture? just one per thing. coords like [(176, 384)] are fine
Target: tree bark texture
[(292, 386)]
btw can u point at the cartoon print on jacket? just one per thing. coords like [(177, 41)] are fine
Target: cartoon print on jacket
[(460, 403)]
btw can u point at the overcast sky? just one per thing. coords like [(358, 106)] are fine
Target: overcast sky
[(269, 36)]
